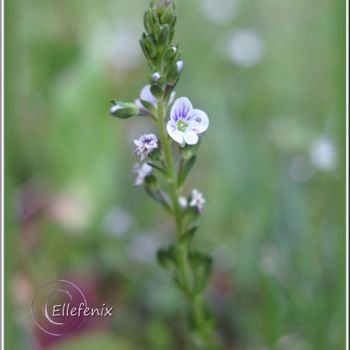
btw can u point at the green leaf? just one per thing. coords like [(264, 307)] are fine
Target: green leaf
[(185, 169), (148, 21), (189, 150), (169, 55), (201, 266), (164, 35), (168, 16), (160, 197), (187, 237), (148, 106), (173, 75), (143, 47), (172, 33), (157, 29), (157, 167), (166, 257), (149, 47), (156, 90)]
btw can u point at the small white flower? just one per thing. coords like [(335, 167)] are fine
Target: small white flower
[(197, 200), (183, 202), (186, 123), (145, 144), (141, 171)]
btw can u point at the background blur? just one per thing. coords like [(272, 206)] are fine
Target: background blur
[(270, 76)]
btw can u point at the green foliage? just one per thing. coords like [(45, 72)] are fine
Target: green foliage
[(184, 170), (187, 237)]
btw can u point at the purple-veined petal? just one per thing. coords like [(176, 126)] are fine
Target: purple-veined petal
[(198, 121), (181, 108), (190, 137), (146, 95), (175, 134)]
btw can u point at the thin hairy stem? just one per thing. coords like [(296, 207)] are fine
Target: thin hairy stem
[(203, 334)]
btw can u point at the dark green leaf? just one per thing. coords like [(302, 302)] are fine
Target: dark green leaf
[(148, 21), (167, 257), (187, 237), (148, 106), (185, 169), (164, 35), (156, 90), (201, 266), (160, 169), (149, 47), (170, 54), (168, 16), (160, 197), (173, 75)]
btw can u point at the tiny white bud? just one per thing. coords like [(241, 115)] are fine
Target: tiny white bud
[(155, 76), (180, 65)]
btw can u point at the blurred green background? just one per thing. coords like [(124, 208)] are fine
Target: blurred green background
[(270, 75)]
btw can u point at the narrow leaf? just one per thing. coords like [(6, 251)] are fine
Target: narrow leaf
[(185, 169), (187, 237), (156, 167)]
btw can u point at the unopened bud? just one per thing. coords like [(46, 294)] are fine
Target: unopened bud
[(124, 110), (180, 65), (155, 76)]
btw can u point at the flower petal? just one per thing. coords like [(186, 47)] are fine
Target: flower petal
[(146, 95), (181, 108), (190, 137), (198, 121), (175, 134)]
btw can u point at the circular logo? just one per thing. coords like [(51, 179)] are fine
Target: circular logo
[(57, 308)]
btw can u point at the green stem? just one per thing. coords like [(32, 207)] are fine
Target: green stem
[(196, 302)]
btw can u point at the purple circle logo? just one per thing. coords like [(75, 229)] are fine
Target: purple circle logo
[(58, 308)]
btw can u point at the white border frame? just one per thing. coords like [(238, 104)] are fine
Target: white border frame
[(2, 174)]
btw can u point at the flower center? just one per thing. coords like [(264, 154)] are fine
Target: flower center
[(181, 125)]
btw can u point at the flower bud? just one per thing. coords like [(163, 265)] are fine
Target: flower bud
[(156, 90), (170, 54), (149, 47), (148, 21), (180, 65), (164, 35), (168, 16), (173, 75), (124, 110), (155, 76)]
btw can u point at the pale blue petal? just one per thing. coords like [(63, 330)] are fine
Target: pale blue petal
[(198, 121), (146, 95), (181, 109)]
